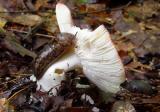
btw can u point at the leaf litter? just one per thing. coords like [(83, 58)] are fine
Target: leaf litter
[(135, 32)]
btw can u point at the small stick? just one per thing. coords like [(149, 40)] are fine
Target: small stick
[(21, 11), (8, 81), (13, 80), (16, 93), (37, 34), (135, 70)]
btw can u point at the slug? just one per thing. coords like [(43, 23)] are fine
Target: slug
[(52, 52)]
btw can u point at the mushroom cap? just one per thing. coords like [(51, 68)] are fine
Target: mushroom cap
[(99, 58)]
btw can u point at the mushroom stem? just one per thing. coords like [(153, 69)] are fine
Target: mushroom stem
[(55, 74), (64, 19)]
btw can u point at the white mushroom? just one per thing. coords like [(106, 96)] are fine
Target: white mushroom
[(55, 73), (94, 52)]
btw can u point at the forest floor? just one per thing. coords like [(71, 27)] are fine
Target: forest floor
[(27, 26)]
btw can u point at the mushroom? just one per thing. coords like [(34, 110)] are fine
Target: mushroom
[(53, 61), (93, 51)]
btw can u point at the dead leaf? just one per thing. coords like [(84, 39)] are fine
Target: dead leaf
[(40, 3), (122, 26), (141, 11), (68, 103), (27, 19), (15, 45), (2, 9), (97, 7), (2, 101), (78, 109), (2, 105), (129, 32), (124, 46), (30, 5), (50, 24), (40, 42), (122, 106), (139, 86), (2, 22), (12, 5), (136, 64), (138, 38)]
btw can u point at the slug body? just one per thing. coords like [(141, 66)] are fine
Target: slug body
[(52, 52)]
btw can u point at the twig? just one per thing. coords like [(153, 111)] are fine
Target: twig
[(33, 30), (23, 11), (108, 9), (140, 45), (37, 34), (135, 70), (16, 93), (19, 75), (8, 81), (13, 80)]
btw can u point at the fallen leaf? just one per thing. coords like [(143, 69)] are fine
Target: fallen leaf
[(50, 24), (40, 42), (139, 86), (12, 5), (2, 101), (27, 19), (15, 44), (78, 109), (129, 32), (142, 11), (2, 9), (123, 106), (97, 7), (2, 105), (40, 3), (136, 64), (124, 46), (2, 22)]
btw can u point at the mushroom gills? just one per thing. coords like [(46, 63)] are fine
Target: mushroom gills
[(101, 63)]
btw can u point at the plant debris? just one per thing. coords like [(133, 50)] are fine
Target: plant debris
[(28, 29)]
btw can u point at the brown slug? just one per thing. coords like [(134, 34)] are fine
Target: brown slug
[(52, 52)]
